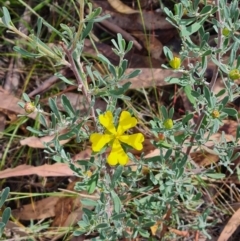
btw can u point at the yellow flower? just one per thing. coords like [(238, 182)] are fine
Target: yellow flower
[(215, 114), (114, 137), (175, 63)]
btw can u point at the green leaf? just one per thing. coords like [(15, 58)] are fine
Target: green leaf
[(54, 108), (220, 65), (39, 26), (113, 70), (170, 113), (64, 79), (187, 118), (42, 120), (6, 17), (195, 4), (119, 216), (133, 74), (234, 50), (102, 225), (208, 97), (187, 31), (129, 47), (230, 111), (123, 68), (88, 202), (225, 100), (26, 53), (92, 183), (3, 195), (117, 174), (94, 14), (164, 112), (6, 215), (167, 53), (26, 97), (116, 202), (103, 59), (68, 106), (220, 93), (238, 132), (216, 175), (143, 233), (33, 130), (87, 30), (206, 9), (188, 91), (120, 91), (100, 19)]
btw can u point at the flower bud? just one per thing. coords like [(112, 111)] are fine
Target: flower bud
[(234, 74), (29, 107), (168, 124), (161, 137), (215, 114), (175, 63), (225, 32)]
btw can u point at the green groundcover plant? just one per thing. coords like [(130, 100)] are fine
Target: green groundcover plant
[(131, 201)]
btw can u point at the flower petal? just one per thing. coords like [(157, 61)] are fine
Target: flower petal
[(125, 122), (106, 120), (117, 155), (99, 141), (134, 140)]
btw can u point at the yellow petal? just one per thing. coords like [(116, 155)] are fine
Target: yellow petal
[(106, 120), (117, 155), (125, 122), (134, 140), (99, 141)]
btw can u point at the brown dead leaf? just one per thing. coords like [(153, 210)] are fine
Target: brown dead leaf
[(36, 142), (150, 77), (151, 43), (155, 227), (121, 7), (65, 206), (231, 226), (37, 210), (55, 170), (68, 210), (148, 20), (179, 232)]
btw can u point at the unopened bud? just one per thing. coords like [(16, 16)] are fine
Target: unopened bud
[(225, 32), (29, 107), (234, 74), (161, 137), (175, 63), (168, 124)]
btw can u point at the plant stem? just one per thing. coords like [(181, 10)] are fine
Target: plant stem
[(80, 26), (81, 83), (214, 77), (39, 46)]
